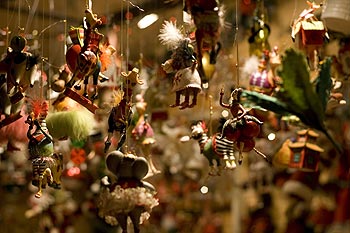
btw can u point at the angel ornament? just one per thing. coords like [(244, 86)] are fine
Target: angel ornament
[(186, 81)]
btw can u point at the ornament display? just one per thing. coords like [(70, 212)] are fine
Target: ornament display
[(126, 195), (18, 71), (305, 153), (186, 81), (219, 151), (242, 128), (121, 113), (46, 164), (207, 16)]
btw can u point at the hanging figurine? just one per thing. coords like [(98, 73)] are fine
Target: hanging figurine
[(186, 81), (265, 79), (121, 113), (143, 133), (309, 33), (126, 195), (83, 59), (47, 165), (18, 71), (208, 19), (218, 150), (242, 128)]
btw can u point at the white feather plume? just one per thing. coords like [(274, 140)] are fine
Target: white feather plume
[(170, 35)]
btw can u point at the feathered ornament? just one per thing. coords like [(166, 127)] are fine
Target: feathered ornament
[(186, 80), (74, 124), (297, 95), (170, 35)]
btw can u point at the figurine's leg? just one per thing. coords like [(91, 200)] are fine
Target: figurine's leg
[(214, 52), (86, 82), (194, 98), (135, 215), (46, 175), (40, 191), (95, 77), (123, 223), (152, 166), (240, 159), (185, 104), (177, 100), (108, 141), (122, 139)]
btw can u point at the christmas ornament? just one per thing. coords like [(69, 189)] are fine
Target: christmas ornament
[(305, 152), (265, 79), (121, 113), (309, 33), (18, 71), (73, 124), (218, 150), (208, 19), (47, 165), (128, 196), (186, 81), (142, 133), (242, 128), (83, 59)]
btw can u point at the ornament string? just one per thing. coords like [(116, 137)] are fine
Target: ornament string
[(237, 47), (31, 13), (42, 52)]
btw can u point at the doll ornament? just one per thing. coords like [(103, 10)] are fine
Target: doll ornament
[(18, 72), (128, 196), (186, 81), (242, 128), (84, 60), (121, 113), (47, 165)]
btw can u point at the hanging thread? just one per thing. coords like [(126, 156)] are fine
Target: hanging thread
[(237, 48)]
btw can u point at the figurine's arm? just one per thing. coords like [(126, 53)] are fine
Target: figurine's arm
[(243, 112), (221, 99)]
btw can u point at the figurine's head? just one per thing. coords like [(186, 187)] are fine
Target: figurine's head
[(126, 166), (18, 44), (236, 94), (91, 19), (132, 78)]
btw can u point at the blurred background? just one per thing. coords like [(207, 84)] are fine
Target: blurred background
[(253, 197)]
